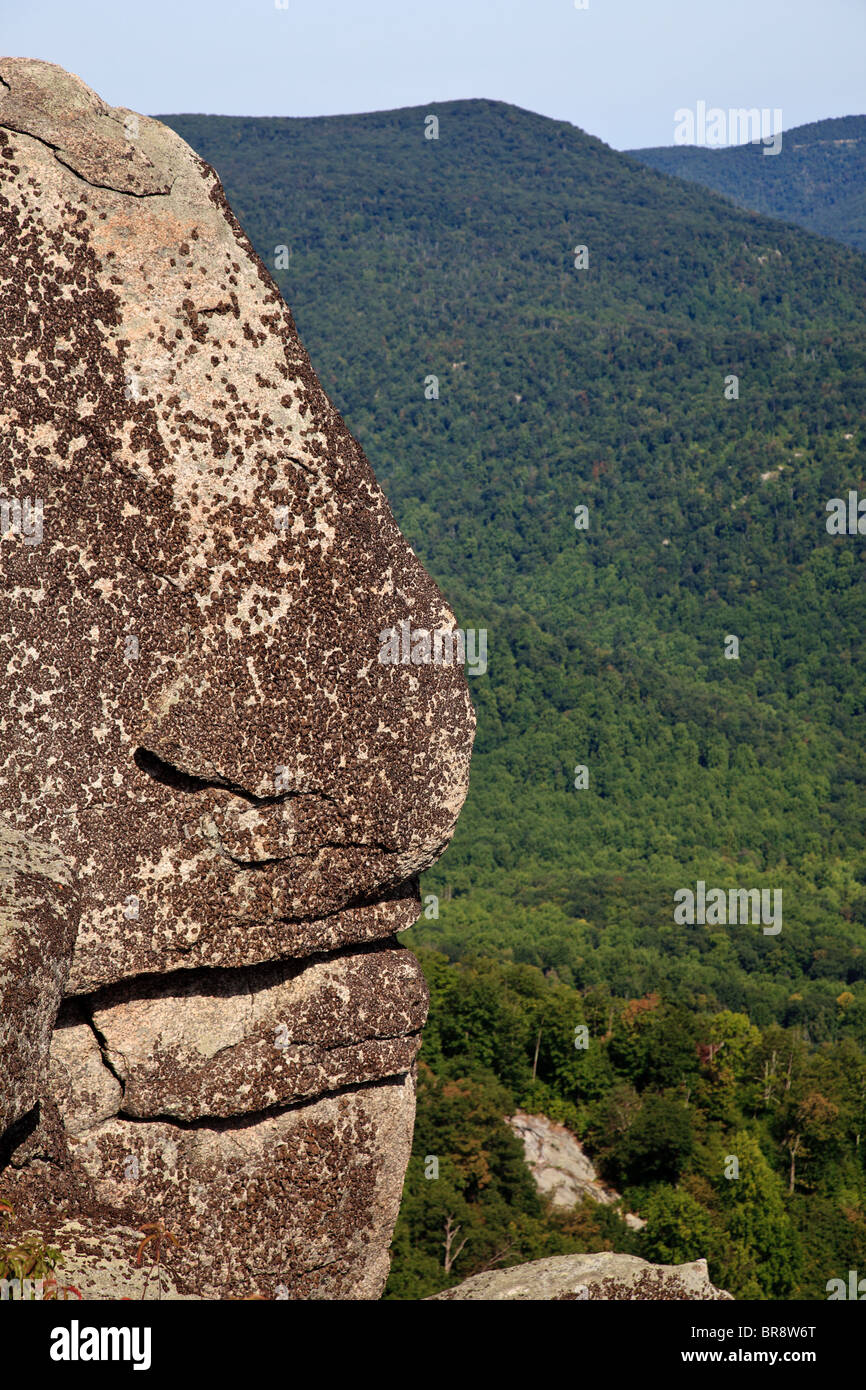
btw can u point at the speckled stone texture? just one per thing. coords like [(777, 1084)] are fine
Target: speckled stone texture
[(197, 564), (38, 919)]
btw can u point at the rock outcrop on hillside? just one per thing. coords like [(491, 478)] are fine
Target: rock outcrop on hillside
[(214, 798), (605, 1276), (561, 1169)]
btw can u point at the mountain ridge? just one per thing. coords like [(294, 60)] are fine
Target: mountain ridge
[(817, 181)]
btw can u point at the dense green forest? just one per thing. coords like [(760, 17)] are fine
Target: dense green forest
[(696, 382), (817, 180), (664, 1096)]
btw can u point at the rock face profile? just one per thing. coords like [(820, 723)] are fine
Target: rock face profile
[(216, 799)]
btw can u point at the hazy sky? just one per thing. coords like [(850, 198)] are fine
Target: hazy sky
[(619, 69)]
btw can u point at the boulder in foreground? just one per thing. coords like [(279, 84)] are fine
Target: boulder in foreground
[(605, 1276)]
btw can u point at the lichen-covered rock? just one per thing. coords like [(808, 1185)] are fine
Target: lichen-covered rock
[(38, 918), (296, 1203), (99, 1263), (587, 1277), (79, 1083), (192, 702), (197, 567), (230, 1041)]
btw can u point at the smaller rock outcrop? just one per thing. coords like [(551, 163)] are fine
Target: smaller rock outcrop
[(604, 1276), (561, 1169)]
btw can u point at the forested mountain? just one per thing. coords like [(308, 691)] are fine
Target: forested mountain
[(817, 180), (696, 382)]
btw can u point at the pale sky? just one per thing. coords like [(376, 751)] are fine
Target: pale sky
[(619, 69)]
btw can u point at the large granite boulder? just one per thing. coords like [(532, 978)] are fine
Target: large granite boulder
[(197, 567)]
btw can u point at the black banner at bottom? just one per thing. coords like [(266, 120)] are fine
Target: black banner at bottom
[(175, 1340)]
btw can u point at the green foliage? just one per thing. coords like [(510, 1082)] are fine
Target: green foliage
[(664, 1099), (29, 1258), (678, 1228), (483, 1192), (659, 1141), (765, 1253)]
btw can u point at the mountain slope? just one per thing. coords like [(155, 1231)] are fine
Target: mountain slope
[(605, 388), (818, 179)]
